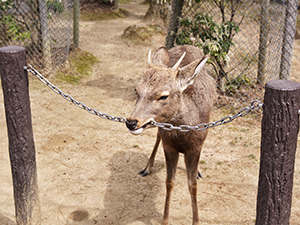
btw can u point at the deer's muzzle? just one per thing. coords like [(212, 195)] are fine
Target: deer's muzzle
[(131, 124)]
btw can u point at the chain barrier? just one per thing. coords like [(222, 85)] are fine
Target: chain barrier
[(255, 105), (69, 98)]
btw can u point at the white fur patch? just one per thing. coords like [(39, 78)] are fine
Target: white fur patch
[(137, 131)]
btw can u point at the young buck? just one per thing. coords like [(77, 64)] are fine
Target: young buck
[(176, 89)]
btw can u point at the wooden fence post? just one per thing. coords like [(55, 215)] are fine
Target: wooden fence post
[(19, 127), (280, 126), (76, 15), (288, 38), (263, 41)]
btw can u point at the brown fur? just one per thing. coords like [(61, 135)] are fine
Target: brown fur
[(186, 104)]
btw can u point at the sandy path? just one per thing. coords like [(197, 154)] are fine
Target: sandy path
[(87, 166)]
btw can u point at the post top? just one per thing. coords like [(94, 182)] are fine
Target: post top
[(284, 85), (12, 49)]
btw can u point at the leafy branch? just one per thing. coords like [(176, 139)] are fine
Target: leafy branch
[(215, 38), (13, 27)]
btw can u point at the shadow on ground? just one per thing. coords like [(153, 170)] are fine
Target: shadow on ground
[(129, 197), (5, 220), (115, 87)]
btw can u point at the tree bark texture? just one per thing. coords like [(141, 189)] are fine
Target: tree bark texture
[(280, 126), (288, 38), (46, 37), (159, 13), (263, 41), (174, 23), (19, 127), (76, 15)]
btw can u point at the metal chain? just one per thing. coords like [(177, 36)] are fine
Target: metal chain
[(255, 105), (69, 98)]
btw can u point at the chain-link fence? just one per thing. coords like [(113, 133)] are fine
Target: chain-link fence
[(249, 41), (44, 27), (98, 5)]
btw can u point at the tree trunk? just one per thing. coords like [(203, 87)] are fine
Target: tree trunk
[(263, 41), (76, 15), (288, 38), (45, 32), (159, 12), (174, 23)]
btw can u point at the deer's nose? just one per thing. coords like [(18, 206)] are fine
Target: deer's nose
[(131, 124)]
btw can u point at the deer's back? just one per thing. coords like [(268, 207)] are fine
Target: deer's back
[(192, 54)]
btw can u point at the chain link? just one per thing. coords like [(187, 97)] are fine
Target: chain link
[(69, 98), (255, 105)]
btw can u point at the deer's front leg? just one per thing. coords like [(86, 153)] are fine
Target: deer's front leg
[(171, 161), (191, 162), (150, 162)]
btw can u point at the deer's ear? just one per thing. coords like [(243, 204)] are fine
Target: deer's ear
[(187, 74), (161, 57)]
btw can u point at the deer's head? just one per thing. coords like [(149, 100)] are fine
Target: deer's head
[(159, 92)]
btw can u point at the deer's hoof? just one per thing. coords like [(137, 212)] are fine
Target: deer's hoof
[(199, 175), (144, 172)]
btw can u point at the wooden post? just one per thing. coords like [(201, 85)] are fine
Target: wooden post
[(76, 15), (280, 126), (263, 41), (288, 38), (19, 128), (45, 37)]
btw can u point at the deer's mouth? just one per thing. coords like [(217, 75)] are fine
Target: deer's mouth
[(141, 129)]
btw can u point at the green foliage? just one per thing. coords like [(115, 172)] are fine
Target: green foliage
[(214, 38), (236, 83), (252, 157), (81, 65), (15, 29), (55, 5), (5, 4)]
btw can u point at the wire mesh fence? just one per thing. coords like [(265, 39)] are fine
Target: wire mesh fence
[(95, 5), (249, 42), (43, 27)]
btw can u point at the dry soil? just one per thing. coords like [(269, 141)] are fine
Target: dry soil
[(88, 167)]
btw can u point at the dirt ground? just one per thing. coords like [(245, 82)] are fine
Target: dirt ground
[(88, 167)]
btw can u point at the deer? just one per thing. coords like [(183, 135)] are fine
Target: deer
[(175, 88)]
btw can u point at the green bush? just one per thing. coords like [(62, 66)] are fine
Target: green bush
[(214, 38)]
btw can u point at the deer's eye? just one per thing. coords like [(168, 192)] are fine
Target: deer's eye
[(164, 97)]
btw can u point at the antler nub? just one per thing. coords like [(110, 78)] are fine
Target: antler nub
[(149, 57), (175, 67)]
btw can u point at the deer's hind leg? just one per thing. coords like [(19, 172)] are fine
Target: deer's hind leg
[(191, 162), (150, 162)]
